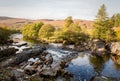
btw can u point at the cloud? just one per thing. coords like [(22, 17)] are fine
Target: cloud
[(58, 9)]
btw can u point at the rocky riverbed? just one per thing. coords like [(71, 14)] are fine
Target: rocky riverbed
[(94, 61), (36, 63)]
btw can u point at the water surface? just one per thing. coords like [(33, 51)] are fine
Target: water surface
[(86, 66)]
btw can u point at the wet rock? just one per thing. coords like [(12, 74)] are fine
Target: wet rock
[(98, 47), (100, 78), (53, 70), (23, 56), (48, 71), (20, 44), (63, 64), (10, 41), (35, 78), (30, 70), (115, 48), (13, 78), (10, 74), (7, 52), (48, 59), (48, 67), (116, 59), (27, 48)]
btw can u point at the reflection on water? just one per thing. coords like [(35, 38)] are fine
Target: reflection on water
[(116, 60), (81, 68), (86, 66), (98, 62)]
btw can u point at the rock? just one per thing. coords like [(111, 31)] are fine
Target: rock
[(101, 78), (48, 59), (98, 47), (53, 70), (35, 78), (7, 52), (116, 59), (27, 48), (10, 74), (20, 44), (23, 56), (63, 64), (48, 71), (115, 48), (10, 41), (30, 70)]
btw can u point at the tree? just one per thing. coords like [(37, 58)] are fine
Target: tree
[(46, 31), (30, 31), (71, 32), (103, 26), (102, 14), (68, 21), (117, 20)]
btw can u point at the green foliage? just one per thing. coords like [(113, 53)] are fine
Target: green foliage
[(71, 33), (31, 30), (116, 20), (103, 26), (68, 21), (118, 34), (4, 34), (102, 15), (103, 30), (46, 31)]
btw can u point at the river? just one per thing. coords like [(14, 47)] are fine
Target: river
[(85, 66)]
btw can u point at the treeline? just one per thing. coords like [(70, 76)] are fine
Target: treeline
[(70, 32), (104, 28)]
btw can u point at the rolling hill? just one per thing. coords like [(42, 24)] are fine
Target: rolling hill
[(20, 22)]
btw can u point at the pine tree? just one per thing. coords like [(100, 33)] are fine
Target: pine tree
[(103, 26), (102, 14)]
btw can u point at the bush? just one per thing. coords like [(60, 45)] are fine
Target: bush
[(4, 34), (31, 30), (71, 33), (46, 32)]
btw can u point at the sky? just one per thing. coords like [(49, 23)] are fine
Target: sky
[(56, 9)]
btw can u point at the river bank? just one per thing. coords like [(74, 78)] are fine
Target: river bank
[(55, 62)]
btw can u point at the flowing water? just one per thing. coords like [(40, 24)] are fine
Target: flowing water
[(85, 66)]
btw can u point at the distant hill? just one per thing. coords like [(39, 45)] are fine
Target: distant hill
[(5, 18), (19, 22)]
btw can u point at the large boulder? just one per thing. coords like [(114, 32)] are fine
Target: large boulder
[(98, 47), (115, 48), (48, 67), (7, 52), (23, 56)]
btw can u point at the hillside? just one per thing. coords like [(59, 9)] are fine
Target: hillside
[(19, 22)]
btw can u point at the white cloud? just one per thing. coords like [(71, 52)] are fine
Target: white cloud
[(58, 9)]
